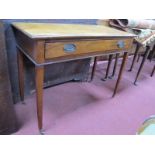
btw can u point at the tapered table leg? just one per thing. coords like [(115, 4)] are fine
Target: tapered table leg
[(120, 72), (153, 71), (108, 68), (134, 58), (115, 66), (39, 79), (93, 69), (142, 63), (20, 73)]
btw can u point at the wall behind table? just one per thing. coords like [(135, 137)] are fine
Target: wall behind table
[(8, 122), (54, 74)]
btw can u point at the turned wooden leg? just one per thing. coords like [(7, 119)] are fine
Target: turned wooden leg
[(153, 71), (142, 63), (134, 58), (120, 72), (108, 68), (39, 79), (20, 73), (93, 69), (115, 66)]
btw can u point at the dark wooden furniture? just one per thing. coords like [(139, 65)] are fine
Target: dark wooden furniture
[(46, 44), (152, 73), (142, 63), (108, 67), (115, 65), (111, 56), (152, 54), (135, 56), (93, 69), (145, 56), (8, 121)]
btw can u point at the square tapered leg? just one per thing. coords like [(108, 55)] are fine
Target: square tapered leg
[(39, 79), (120, 72), (20, 73)]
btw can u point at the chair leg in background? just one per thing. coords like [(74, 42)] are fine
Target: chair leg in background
[(152, 73), (134, 58), (142, 63), (93, 69), (115, 66), (108, 68)]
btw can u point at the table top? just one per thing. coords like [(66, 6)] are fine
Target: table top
[(53, 30)]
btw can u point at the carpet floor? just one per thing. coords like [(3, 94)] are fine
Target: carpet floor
[(87, 108)]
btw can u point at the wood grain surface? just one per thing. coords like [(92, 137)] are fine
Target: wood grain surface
[(57, 39), (48, 30), (56, 49)]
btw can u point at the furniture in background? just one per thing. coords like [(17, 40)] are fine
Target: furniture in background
[(145, 55), (8, 121), (109, 65), (111, 56), (153, 70), (145, 31), (152, 54), (46, 44)]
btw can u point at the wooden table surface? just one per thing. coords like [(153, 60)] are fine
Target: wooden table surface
[(44, 42), (48, 30)]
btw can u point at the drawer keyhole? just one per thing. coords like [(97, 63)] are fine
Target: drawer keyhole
[(121, 44), (69, 48)]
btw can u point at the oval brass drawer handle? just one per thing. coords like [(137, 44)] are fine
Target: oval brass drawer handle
[(69, 48), (120, 44)]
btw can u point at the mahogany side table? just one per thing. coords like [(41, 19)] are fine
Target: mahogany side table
[(45, 44)]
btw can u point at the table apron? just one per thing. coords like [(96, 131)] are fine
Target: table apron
[(67, 60)]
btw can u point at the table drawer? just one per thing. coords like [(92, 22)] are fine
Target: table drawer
[(83, 47)]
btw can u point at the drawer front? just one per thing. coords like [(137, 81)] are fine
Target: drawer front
[(84, 47)]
